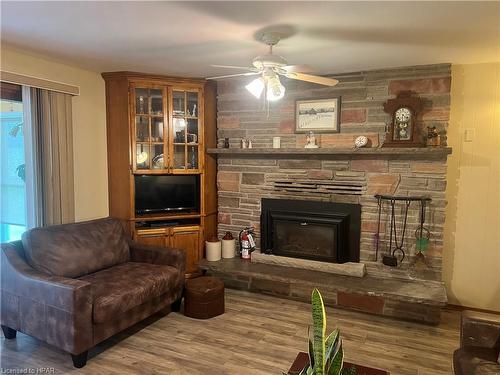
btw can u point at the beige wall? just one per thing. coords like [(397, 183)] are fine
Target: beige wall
[(472, 233), (89, 122)]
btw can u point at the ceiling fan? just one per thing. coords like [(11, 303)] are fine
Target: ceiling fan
[(269, 67)]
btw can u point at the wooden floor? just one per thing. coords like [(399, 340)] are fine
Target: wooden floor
[(258, 334)]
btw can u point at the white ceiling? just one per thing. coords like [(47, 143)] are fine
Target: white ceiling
[(184, 38)]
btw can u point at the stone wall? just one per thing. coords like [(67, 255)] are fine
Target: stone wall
[(245, 180), (239, 114)]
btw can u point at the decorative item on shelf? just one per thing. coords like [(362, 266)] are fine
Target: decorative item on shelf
[(193, 112), (433, 138), (311, 141), (244, 143), (276, 142), (404, 110), (249, 143), (322, 116), (247, 243), (142, 157), (213, 249), (192, 138), (158, 162), (360, 141), (193, 161), (141, 104), (228, 245), (226, 142)]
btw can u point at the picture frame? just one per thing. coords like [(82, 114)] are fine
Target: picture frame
[(317, 115)]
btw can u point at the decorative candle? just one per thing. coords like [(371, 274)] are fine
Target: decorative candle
[(213, 249), (276, 142)]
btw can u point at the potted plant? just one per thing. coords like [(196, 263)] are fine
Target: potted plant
[(326, 356)]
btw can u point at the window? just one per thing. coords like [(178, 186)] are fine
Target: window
[(13, 213)]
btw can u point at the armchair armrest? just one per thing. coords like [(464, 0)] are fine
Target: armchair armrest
[(54, 309), (158, 255), (20, 279), (480, 330)]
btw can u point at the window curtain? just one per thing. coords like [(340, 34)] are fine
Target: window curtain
[(51, 158)]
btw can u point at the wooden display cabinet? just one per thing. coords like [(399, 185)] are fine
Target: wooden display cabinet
[(162, 125)]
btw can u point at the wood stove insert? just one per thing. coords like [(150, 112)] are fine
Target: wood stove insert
[(322, 231)]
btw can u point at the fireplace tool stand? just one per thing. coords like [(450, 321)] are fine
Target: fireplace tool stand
[(391, 259)]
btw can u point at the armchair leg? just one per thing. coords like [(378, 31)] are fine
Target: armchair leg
[(8, 332), (80, 360), (176, 305)]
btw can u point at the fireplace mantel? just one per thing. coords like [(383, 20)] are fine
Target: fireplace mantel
[(424, 153)]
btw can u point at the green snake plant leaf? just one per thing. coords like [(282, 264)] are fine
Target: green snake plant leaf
[(337, 362), (319, 330), (332, 346), (311, 350)]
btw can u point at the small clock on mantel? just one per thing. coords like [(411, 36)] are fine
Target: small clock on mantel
[(404, 110)]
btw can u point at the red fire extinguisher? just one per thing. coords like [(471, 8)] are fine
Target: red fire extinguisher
[(245, 246)]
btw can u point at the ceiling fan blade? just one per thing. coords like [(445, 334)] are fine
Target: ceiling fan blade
[(297, 69), (314, 79), (235, 75), (233, 67)]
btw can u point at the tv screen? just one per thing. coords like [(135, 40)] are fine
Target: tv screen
[(162, 193)]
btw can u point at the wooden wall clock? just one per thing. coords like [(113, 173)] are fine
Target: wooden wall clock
[(404, 111)]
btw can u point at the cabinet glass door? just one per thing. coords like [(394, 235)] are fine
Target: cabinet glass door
[(150, 128), (185, 129)]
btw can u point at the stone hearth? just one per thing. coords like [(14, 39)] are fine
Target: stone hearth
[(415, 300)]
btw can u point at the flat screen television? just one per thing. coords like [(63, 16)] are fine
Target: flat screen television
[(166, 193)]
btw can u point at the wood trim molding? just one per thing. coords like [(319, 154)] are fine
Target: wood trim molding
[(40, 83), (454, 307)]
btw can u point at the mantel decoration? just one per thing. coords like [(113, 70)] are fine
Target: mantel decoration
[(404, 110), (319, 115)]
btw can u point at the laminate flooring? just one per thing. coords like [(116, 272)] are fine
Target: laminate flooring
[(258, 334)]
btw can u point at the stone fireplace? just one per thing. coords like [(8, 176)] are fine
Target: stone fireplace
[(322, 231), (336, 174)]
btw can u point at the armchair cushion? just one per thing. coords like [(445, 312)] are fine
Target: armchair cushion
[(120, 288), (73, 250)]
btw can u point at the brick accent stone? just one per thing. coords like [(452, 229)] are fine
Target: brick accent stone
[(421, 86), (229, 202), (428, 167), (360, 302), (224, 218), (287, 126), (320, 174), (228, 185), (228, 176), (228, 122), (252, 178), (370, 165), (353, 116), (299, 164)]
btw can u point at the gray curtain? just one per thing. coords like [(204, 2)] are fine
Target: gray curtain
[(52, 137)]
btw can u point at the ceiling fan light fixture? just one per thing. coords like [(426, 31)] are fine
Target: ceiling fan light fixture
[(275, 90), (256, 87)]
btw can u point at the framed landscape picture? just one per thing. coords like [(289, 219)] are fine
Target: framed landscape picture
[(318, 115)]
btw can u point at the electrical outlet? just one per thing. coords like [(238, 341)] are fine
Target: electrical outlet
[(469, 134)]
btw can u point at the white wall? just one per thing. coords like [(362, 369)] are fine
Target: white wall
[(471, 268), (89, 122)]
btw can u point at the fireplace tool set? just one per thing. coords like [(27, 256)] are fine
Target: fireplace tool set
[(422, 234)]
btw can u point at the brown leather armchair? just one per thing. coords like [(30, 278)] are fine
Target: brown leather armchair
[(479, 345), (75, 285)]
